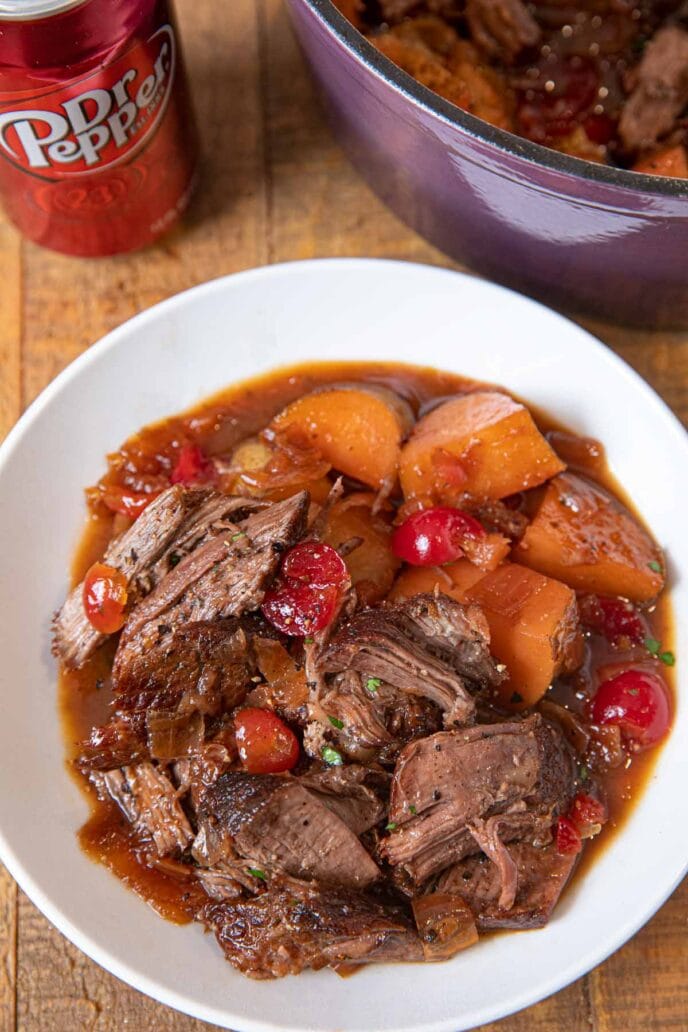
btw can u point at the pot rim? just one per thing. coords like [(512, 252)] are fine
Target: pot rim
[(533, 153)]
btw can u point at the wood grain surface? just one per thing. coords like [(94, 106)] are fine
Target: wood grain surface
[(275, 187)]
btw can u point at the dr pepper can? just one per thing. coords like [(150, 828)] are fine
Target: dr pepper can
[(98, 148)]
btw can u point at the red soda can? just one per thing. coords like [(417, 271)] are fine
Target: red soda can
[(98, 147)]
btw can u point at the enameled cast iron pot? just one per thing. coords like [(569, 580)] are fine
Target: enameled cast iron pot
[(575, 234)]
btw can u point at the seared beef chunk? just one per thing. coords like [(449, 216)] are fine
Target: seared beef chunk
[(502, 28), (542, 875), (461, 792), (497, 517), (198, 671), (173, 525), (357, 795), (426, 646), (284, 828), (225, 577), (294, 926), (199, 771), (660, 90), (149, 800)]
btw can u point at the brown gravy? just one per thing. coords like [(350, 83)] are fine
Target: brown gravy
[(218, 424)]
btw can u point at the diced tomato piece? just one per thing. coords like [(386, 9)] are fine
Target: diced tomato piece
[(105, 598), (300, 609), (637, 701), (316, 564), (615, 618), (435, 536), (193, 467), (125, 502), (568, 837), (266, 745), (587, 814)]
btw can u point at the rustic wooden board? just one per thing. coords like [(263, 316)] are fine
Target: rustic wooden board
[(275, 187)]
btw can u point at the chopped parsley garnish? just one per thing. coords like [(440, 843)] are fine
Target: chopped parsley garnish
[(653, 646), (256, 872), (373, 683), (655, 566), (239, 534), (331, 756), (175, 558), (390, 827), (413, 810), (516, 697), (583, 772), (336, 722), (308, 641), (668, 658)]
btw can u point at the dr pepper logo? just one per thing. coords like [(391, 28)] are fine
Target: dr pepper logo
[(96, 122)]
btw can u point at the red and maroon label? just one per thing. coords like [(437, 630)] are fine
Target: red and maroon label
[(96, 122)]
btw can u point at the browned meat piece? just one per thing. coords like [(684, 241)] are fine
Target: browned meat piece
[(200, 670), (498, 517), (227, 576), (461, 792), (396, 10), (502, 28), (542, 875), (354, 793), (425, 646), (660, 91), (148, 799), (171, 527), (283, 827), (198, 772), (294, 926)]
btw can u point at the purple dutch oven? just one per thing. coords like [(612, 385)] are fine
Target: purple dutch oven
[(578, 235)]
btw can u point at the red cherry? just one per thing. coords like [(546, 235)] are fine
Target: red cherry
[(638, 702), (615, 618), (316, 564), (434, 536), (300, 609), (105, 598), (266, 745)]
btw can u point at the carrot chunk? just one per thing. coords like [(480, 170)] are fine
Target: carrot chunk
[(454, 580), (372, 565), (494, 442), (584, 537), (534, 629), (357, 428)]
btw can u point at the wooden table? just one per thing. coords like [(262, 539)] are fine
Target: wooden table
[(275, 188)]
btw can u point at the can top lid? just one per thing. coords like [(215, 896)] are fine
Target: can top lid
[(29, 10)]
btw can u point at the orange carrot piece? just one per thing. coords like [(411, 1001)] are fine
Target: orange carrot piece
[(357, 428), (454, 580), (494, 440), (534, 629), (372, 565), (672, 161), (584, 537)]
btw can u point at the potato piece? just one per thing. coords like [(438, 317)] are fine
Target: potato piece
[(372, 566), (584, 537), (487, 552), (276, 470), (357, 428), (493, 438), (534, 629), (454, 580)]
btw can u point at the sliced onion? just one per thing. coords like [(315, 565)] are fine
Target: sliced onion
[(445, 925)]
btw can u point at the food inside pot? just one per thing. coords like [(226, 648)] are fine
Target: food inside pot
[(360, 661), (603, 80)]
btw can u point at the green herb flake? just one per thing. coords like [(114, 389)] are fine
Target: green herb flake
[(257, 873), (584, 773), (372, 684), (331, 757), (239, 534), (653, 646), (174, 559), (390, 827), (336, 722), (308, 641), (413, 810), (655, 566), (668, 658), (633, 691)]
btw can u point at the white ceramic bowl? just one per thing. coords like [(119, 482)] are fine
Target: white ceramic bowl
[(163, 361)]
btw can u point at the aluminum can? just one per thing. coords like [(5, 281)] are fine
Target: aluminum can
[(98, 147)]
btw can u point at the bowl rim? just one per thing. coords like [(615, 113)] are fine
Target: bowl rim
[(336, 23), (53, 909)]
